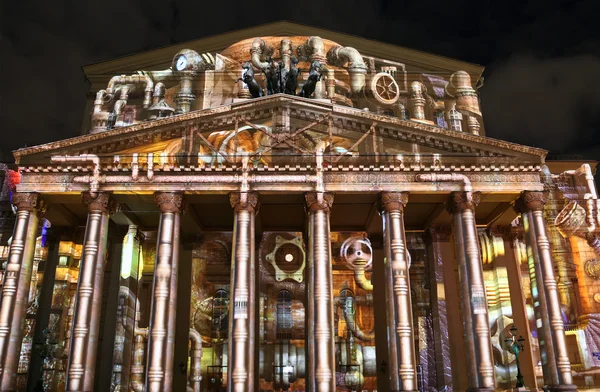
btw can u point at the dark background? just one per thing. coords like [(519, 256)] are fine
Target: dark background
[(542, 82)]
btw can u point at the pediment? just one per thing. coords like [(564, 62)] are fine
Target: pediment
[(284, 129)]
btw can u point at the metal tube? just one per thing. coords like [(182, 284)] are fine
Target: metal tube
[(240, 366), (161, 318), (170, 349), (15, 289), (196, 378), (480, 367), (321, 357), (397, 288), (557, 367), (84, 335)]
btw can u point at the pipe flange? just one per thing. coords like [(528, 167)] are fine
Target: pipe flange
[(288, 257), (357, 253), (385, 89)]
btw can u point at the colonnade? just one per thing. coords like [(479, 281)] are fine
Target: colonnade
[(320, 305)]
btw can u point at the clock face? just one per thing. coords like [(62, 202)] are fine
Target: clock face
[(181, 63)]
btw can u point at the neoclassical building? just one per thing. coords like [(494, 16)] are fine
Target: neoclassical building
[(285, 208)]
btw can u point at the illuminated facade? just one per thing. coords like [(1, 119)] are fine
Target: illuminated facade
[(286, 208)]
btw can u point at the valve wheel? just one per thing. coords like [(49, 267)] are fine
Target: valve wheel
[(385, 89), (357, 248)]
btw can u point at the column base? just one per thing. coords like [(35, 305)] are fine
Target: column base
[(560, 388)]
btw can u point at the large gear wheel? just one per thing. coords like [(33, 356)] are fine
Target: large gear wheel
[(385, 89)]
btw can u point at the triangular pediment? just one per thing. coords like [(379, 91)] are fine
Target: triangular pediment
[(283, 127)]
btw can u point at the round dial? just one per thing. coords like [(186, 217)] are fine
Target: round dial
[(181, 63)]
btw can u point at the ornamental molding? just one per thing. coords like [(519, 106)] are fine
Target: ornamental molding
[(172, 202), (29, 201), (246, 201), (393, 201), (461, 201), (99, 201), (530, 201), (316, 201)]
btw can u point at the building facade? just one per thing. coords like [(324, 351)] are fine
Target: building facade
[(291, 209)]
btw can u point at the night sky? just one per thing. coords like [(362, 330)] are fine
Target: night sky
[(542, 58)]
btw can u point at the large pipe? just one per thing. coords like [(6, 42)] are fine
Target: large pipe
[(321, 346), (480, 364), (86, 319), (557, 366), (352, 324), (94, 181), (459, 87), (285, 50), (401, 357), (133, 79), (357, 68), (196, 359), (256, 51), (159, 92), (160, 348), (15, 288), (240, 377)]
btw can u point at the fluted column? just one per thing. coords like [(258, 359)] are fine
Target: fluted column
[(88, 298), (161, 332), (555, 360), (478, 342), (321, 346), (15, 290), (397, 293), (242, 304)]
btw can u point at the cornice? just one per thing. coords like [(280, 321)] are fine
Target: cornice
[(243, 110)]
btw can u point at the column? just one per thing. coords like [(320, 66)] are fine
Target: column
[(88, 298), (402, 375), (17, 279), (242, 304), (478, 343), (161, 336), (320, 343), (555, 360)]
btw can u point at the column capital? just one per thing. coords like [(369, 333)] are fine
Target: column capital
[(250, 204), (393, 201), (28, 201), (169, 202), (99, 201), (460, 201), (530, 201), (314, 203)]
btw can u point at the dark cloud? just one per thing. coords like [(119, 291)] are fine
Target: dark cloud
[(540, 87)]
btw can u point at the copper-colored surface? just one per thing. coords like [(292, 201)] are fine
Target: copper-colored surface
[(478, 344), (15, 289), (242, 307), (397, 288), (162, 320), (86, 319), (320, 342), (557, 366)]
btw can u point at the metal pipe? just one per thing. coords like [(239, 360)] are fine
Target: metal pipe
[(94, 181), (133, 79), (172, 315), (137, 369), (240, 377), (170, 205), (99, 101), (459, 87), (557, 369), (84, 336), (196, 359), (285, 50), (15, 288), (256, 51), (150, 171), (453, 177), (357, 68), (352, 324), (321, 345), (397, 290), (159, 92)]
